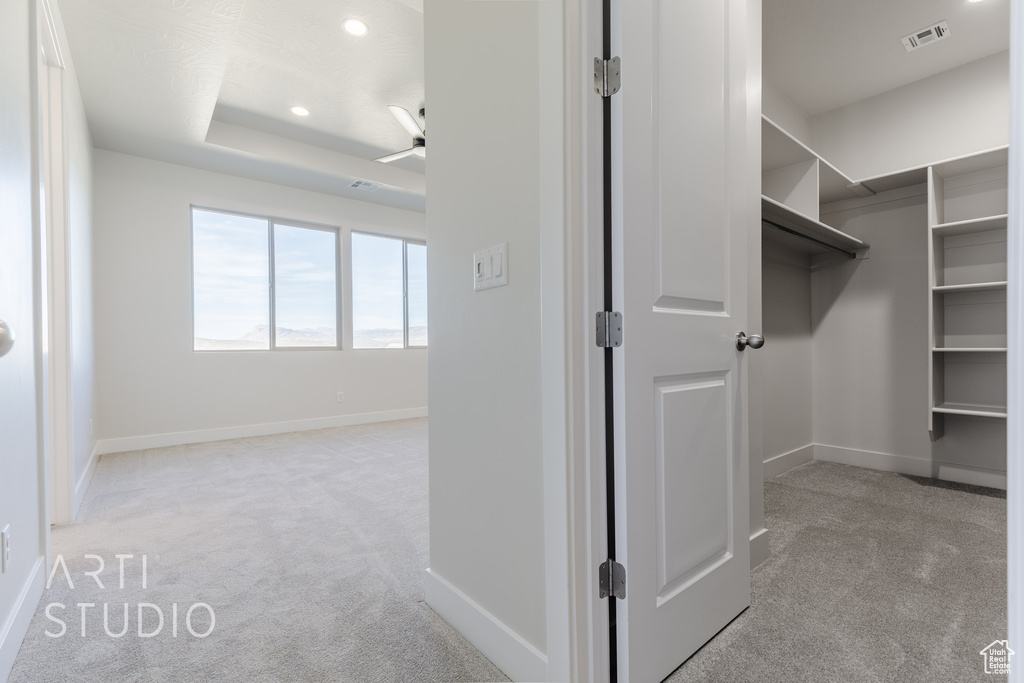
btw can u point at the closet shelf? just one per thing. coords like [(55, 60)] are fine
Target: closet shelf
[(970, 409), (978, 349), (806, 226), (968, 227), (973, 287)]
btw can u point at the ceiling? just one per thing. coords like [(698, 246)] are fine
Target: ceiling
[(210, 83), (824, 54)]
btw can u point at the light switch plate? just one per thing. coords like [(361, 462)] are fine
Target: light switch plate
[(490, 267), (5, 548)]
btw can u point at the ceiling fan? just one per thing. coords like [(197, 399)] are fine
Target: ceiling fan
[(419, 134)]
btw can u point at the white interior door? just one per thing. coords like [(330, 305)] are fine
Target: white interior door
[(681, 489)]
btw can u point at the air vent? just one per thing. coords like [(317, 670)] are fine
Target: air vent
[(365, 185), (921, 38)]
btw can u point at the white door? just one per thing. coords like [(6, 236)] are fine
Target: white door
[(680, 281)]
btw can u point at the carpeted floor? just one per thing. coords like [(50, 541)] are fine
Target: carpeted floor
[(310, 550), (309, 547), (873, 576)]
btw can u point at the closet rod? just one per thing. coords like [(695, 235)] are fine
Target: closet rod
[(844, 252)]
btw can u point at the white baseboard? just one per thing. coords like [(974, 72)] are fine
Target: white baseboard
[(519, 660), (14, 628), (775, 466), (758, 547), (917, 467), (137, 443), (82, 485)]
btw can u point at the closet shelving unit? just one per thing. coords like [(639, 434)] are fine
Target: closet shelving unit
[(795, 181), (967, 282), (967, 199)]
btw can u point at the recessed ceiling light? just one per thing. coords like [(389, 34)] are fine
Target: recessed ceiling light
[(972, 1), (300, 111), (355, 27)]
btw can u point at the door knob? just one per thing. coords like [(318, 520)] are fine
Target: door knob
[(754, 341), (6, 339)]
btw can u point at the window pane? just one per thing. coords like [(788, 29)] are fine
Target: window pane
[(305, 304), (230, 281), (417, 269), (377, 292)]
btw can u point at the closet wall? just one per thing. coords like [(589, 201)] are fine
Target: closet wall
[(847, 361)]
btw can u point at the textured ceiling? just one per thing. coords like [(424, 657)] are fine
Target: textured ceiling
[(200, 81), (294, 53), (824, 54), (210, 82)]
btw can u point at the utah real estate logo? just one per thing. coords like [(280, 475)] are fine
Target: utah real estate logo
[(997, 657)]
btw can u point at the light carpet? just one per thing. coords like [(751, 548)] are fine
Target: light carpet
[(873, 576), (310, 548)]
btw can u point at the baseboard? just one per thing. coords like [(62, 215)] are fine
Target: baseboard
[(519, 660), (137, 443), (13, 630), (918, 467), (758, 547), (82, 485), (775, 466)]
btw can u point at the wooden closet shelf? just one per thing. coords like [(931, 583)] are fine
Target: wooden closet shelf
[(968, 227), (970, 409), (808, 227)]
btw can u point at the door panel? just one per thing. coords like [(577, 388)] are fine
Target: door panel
[(692, 482), (679, 279), (691, 261)]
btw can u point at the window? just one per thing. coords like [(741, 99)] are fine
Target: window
[(389, 292), (260, 284)]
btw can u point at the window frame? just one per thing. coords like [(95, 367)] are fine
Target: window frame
[(272, 222), (406, 241)]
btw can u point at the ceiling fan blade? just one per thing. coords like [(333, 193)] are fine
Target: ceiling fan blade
[(399, 155), (407, 120)]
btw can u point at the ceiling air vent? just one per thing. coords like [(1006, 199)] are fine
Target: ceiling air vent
[(921, 38), (365, 185)]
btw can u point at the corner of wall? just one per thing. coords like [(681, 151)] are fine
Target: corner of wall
[(511, 653)]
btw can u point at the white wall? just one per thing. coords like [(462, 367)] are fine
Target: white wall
[(957, 112), (22, 476), (150, 382), (487, 554), (782, 111), (784, 361)]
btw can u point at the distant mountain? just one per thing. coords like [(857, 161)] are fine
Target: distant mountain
[(284, 334), (259, 338), (389, 338)]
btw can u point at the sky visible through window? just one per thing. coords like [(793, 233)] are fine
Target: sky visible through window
[(305, 286), (417, 256), (231, 277), (232, 286), (378, 318)]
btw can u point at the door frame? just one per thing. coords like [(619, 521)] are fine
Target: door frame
[(55, 317), (1015, 327)]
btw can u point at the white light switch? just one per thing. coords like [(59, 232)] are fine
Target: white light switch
[(490, 267)]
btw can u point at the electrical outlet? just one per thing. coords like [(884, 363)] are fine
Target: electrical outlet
[(341, 397), (5, 548)]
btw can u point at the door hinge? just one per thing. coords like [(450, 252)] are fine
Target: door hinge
[(612, 580), (607, 76), (609, 329)]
